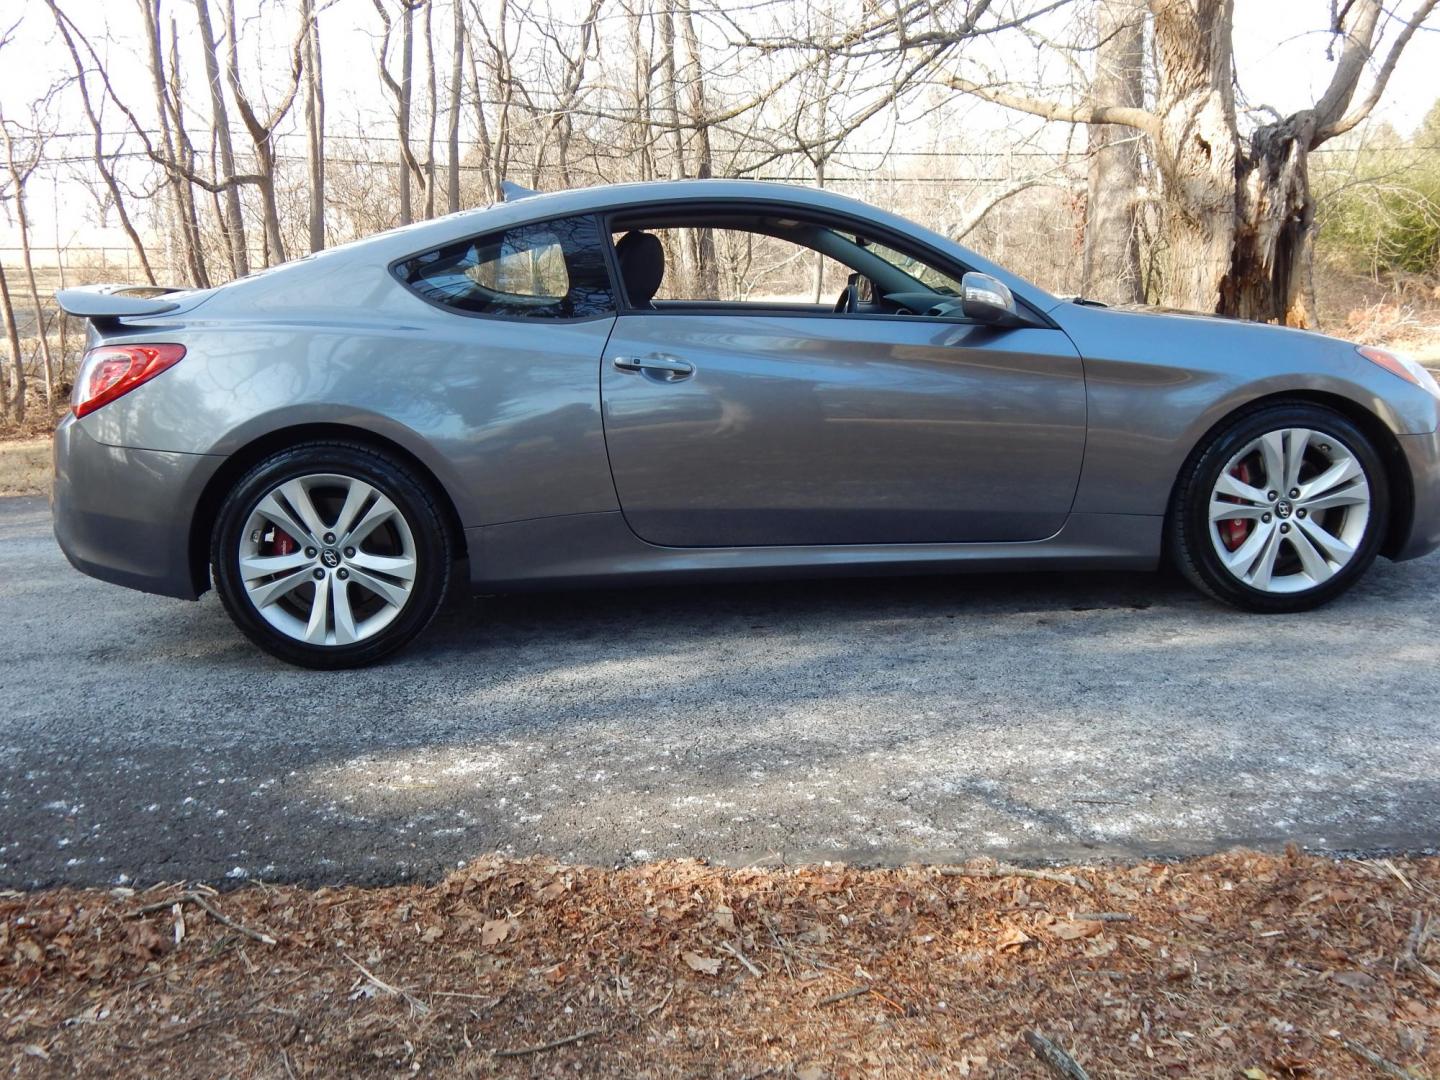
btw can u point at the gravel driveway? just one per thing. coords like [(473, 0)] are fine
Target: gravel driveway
[(1028, 717)]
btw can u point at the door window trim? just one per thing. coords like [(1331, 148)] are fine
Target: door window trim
[(827, 218)]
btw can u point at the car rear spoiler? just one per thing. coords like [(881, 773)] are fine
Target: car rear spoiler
[(103, 303)]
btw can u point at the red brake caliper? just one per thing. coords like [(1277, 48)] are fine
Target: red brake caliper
[(1235, 531), (279, 542)]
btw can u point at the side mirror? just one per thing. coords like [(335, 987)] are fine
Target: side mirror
[(988, 300)]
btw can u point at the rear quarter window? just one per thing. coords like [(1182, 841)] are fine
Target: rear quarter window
[(546, 270)]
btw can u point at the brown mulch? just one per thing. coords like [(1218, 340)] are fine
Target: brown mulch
[(1237, 965)]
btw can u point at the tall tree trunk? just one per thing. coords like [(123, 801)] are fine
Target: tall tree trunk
[(452, 131), (670, 117), (1271, 266), (262, 131), (819, 258), (669, 107), (402, 107), (640, 87), (232, 219), (22, 222), (182, 203), (432, 109), (1197, 147), (504, 82), (482, 125), (314, 127), (15, 399), (185, 151), (703, 255), (1111, 264)]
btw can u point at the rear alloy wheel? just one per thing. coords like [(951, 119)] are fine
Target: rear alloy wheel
[(1282, 511), (330, 555)]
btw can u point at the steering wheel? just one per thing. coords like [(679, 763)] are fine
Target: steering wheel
[(849, 300)]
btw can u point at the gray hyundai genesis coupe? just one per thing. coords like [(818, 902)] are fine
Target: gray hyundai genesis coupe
[(703, 380)]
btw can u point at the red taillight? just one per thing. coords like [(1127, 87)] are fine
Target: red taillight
[(109, 371)]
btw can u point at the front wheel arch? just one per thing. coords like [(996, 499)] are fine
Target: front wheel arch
[(207, 509), (1397, 469)]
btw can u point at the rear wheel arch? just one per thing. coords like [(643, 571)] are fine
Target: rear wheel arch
[(1397, 470), (240, 462)]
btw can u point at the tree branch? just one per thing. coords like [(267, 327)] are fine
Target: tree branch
[(1084, 113), (1327, 128)]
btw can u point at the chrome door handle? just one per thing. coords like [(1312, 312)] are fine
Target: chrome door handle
[(672, 368)]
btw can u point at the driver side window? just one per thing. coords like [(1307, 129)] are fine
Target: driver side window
[(749, 262), (727, 264)]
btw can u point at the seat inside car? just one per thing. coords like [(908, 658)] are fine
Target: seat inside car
[(642, 266)]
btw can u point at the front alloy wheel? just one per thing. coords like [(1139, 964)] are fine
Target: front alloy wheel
[(330, 555), (1282, 511), (1289, 510)]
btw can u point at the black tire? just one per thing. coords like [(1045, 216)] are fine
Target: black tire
[(1188, 527), (417, 504)]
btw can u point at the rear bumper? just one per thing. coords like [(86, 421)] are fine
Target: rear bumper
[(1422, 454), (124, 515)]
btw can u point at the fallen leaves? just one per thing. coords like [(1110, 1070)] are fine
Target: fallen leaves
[(725, 918), (143, 940), (1074, 929), (706, 965), (1012, 939), (1355, 980), (495, 932), (1241, 962)]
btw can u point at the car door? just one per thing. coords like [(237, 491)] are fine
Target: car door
[(727, 427)]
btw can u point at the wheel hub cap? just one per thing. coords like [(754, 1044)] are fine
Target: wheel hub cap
[(331, 558), (1283, 509)]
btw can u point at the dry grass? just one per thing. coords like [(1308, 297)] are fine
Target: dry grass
[(25, 466), (40, 416), (1235, 965), (1401, 314)]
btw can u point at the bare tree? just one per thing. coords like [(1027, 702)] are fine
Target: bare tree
[(1111, 264), (262, 131), (503, 85), (559, 125), (314, 125), (1239, 214), (482, 126), (702, 257), (400, 91), (186, 226), (15, 395), (431, 111), (452, 130), (98, 156), (174, 154), (669, 107), (232, 220), (20, 172)]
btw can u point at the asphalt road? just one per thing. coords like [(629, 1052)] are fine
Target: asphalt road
[(1029, 717)]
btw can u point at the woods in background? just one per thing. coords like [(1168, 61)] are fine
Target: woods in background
[(212, 135)]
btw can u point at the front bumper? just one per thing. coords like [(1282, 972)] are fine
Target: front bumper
[(124, 515), (1422, 455)]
